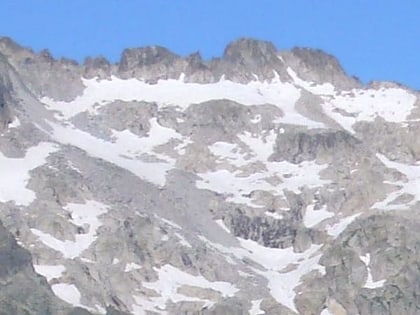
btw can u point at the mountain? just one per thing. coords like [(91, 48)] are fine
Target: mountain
[(261, 182)]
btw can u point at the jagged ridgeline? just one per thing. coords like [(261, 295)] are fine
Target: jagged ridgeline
[(265, 181)]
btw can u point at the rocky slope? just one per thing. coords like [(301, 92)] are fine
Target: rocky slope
[(261, 182)]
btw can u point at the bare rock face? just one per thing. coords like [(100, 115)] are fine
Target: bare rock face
[(22, 290), (5, 98), (97, 67), (378, 247), (250, 60), (45, 76), (298, 146), (317, 66), (260, 182), (5, 114), (152, 63)]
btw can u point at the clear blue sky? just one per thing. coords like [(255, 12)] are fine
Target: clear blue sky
[(373, 39)]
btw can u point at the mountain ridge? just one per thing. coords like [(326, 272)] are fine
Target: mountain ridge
[(261, 49)]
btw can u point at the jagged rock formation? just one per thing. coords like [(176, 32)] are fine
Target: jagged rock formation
[(261, 182)]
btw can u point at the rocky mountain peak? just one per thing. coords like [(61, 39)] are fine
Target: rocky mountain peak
[(317, 59), (97, 67), (318, 66), (8, 45), (249, 51), (145, 56)]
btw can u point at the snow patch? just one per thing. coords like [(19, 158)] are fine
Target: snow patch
[(338, 228), (262, 147), (255, 308), (168, 222), (370, 284), (71, 295), (82, 215), (256, 119), (230, 152), (131, 267), (170, 279), (115, 261), (166, 93), (274, 215), (14, 124), (182, 240), (313, 217), (68, 293), (347, 108), (317, 89), (73, 167), (391, 104), (50, 271), (222, 225), (15, 173), (273, 177), (127, 150), (411, 186), (273, 262), (282, 284), (238, 188)]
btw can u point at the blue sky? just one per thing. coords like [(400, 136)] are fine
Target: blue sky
[(374, 40)]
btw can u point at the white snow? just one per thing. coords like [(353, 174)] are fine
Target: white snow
[(182, 240), (222, 225), (180, 94), (282, 284), (261, 146), (115, 261), (317, 89), (14, 124), (131, 267), (86, 214), (273, 177), (68, 293), (336, 229), (73, 167), (370, 284), (230, 152), (170, 279), (244, 274), (392, 104), (238, 187), (274, 215), (127, 150), (281, 58), (255, 308), (144, 305), (312, 217), (256, 119), (50, 271), (326, 312), (272, 263), (168, 222), (410, 186), (15, 173)]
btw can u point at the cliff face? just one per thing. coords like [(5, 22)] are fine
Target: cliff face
[(261, 182)]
